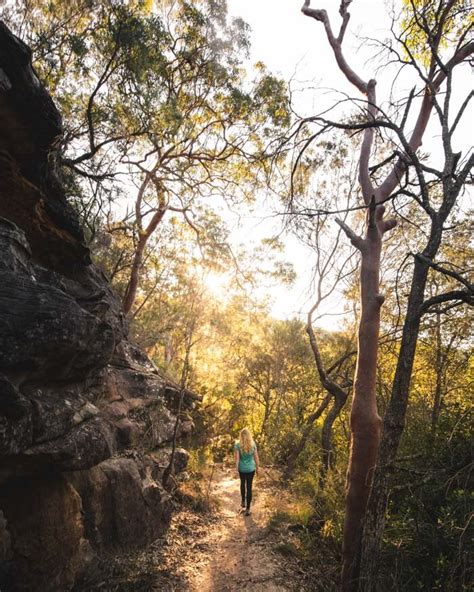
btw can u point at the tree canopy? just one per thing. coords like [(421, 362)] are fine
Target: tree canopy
[(167, 129)]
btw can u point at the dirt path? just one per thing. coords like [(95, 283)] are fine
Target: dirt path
[(218, 551), (238, 555)]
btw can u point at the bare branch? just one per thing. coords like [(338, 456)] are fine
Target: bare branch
[(444, 271), (364, 175), (466, 296), (322, 16), (461, 111), (415, 141), (355, 239)]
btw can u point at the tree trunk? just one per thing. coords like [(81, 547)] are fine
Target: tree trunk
[(298, 449), (132, 286), (335, 391), (394, 420), (438, 393), (266, 416), (392, 431), (168, 472), (131, 292), (326, 438), (365, 421)]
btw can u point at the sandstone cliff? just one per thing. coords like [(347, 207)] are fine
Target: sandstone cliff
[(85, 418)]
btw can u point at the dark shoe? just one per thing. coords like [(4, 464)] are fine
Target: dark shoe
[(247, 512)]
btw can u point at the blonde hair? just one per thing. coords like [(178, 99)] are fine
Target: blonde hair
[(246, 441)]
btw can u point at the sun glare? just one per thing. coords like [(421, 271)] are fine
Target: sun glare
[(217, 284)]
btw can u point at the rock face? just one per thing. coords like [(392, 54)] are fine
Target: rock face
[(85, 418)]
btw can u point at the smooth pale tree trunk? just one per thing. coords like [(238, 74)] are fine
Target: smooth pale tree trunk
[(365, 420), (393, 429)]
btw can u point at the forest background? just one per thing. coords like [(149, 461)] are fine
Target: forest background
[(205, 207)]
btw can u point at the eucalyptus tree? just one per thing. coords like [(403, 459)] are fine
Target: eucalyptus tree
[(158, 108), (433, 40)]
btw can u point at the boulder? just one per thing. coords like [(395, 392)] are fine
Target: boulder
[(124, 505), (162, 458)]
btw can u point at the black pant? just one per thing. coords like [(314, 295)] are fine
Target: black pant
[(246, 480)]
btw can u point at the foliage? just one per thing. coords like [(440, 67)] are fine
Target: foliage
[(161, 116), (448, 27)]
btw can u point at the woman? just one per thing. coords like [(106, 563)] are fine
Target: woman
[(247, 463)]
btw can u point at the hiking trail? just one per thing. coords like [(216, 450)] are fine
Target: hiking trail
[(238, 556), (219, 551)]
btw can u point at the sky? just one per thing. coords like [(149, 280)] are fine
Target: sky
[(293, 45), (296, 48)]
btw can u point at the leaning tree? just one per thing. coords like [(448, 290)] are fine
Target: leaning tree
[(432, 38)]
